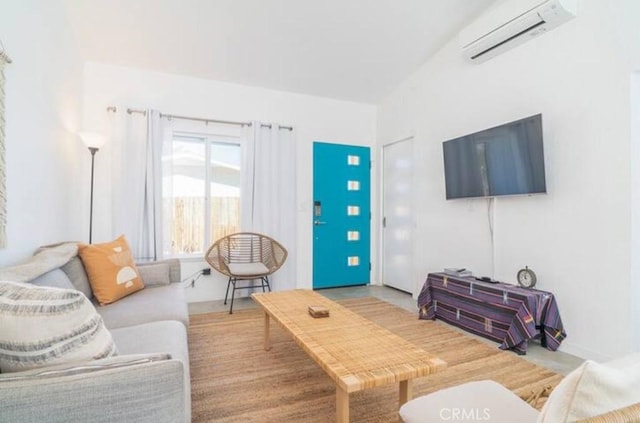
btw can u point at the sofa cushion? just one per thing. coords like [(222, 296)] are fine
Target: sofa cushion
[(55, 279), (84, 367), (158, 337), (470, 402), (148, 392), (247, 269), (111, 270), (149, 305), (78, 276), (593, 389), (153, 338), (43, 326)]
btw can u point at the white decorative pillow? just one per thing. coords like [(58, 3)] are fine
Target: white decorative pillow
[(590, 390), (42, 326)]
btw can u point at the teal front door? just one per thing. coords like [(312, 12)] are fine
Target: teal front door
[(341, 215)]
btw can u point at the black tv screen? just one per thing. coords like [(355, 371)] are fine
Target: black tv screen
[(505, 160)]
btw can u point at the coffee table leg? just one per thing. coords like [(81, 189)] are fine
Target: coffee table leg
[(342, 405), (406, 391), (267, 345)]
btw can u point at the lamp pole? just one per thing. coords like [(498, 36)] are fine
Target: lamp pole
[(93, 141), (93, 151)]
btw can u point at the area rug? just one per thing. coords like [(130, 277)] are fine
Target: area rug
[(234, 380)]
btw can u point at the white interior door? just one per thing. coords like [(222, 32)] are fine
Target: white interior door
[(398, 215)]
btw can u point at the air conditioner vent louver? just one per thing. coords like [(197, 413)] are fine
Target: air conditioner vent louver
[(512, 23), (524, 31)]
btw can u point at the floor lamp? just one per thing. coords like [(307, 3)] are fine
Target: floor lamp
[(93, 141)]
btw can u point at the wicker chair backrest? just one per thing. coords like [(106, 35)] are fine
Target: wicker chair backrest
[(246, 247)]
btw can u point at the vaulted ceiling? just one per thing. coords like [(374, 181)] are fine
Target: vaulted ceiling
[(355, 50)]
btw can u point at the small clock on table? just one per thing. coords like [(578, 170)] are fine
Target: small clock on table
[(526, 278)]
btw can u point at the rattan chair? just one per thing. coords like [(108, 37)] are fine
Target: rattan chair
[(246, 256)]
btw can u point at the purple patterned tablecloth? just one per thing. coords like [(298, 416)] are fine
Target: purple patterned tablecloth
[(505, 313)]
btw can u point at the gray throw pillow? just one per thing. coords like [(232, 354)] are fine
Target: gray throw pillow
[(78, 276), (55, 279), (154, 274)]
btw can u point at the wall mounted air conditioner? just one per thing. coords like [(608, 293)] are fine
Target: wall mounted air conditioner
[(512, 23)]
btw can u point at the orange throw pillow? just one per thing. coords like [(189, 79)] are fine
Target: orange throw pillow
[(111, 270)]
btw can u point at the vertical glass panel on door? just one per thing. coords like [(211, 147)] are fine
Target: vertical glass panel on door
[(353, 185), (353, 211), (353, 236), (353, 160), (353, 261)]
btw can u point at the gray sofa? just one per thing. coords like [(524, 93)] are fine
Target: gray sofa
[(148, 381)]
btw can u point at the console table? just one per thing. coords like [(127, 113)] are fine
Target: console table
[(502, 312)]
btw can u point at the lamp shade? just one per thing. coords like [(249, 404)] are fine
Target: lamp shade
[(93, 139)]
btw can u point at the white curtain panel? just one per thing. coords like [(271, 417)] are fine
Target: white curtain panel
[(137, 182), (3, 191), (268, 199)]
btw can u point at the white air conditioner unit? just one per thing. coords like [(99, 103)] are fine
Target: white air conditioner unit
[(512, 23)]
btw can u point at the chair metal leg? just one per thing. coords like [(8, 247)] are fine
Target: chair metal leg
[(266, 279), (233, 294), (227, 294)]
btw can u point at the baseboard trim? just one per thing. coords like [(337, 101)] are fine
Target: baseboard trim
[(582, 352)]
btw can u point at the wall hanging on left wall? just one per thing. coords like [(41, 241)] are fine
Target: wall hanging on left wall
[(4, 59)]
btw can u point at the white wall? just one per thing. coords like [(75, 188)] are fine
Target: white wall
[(43, 104), (314, 118), (577, 237), (635, 210)]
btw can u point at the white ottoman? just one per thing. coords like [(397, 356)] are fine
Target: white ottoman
[(484, 401)]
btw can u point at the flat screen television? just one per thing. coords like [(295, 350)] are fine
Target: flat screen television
[(505, 160)]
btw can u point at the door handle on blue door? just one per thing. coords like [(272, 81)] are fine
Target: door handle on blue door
[(318, 222)]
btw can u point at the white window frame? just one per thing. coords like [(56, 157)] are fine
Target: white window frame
[(221, 135)]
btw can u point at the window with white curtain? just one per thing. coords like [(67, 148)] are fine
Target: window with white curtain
[(201, 179)]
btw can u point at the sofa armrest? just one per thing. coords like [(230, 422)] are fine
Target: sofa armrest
[(118, 389), (174, 268)]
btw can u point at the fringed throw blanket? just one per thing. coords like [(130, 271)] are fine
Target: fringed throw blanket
[(44, 260)]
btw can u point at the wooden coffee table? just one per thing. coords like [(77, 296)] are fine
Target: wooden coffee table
[(355, 352)]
